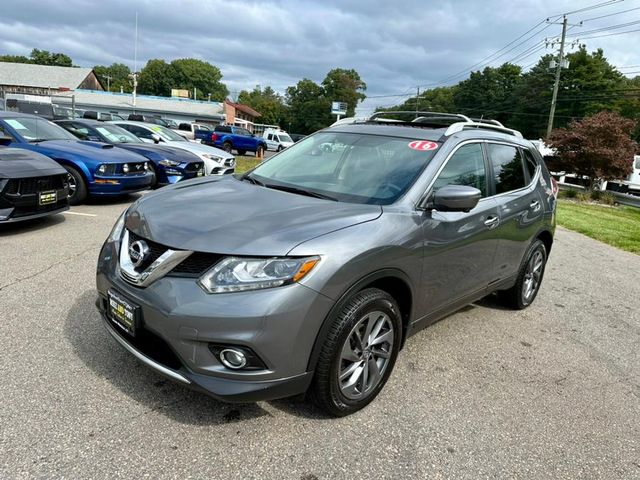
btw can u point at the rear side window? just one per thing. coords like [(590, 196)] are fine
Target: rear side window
[(530, 163), (223, 129), (507, 165), (465, 167)]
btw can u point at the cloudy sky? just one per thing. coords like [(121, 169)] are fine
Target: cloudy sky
[(395, 46)]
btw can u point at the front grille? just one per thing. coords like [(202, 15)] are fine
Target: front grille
[(193, 167), (193, 266), (135, 168), (29, 186)]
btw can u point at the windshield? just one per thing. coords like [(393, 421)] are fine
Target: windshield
[(33, 129), (285, 138), (115, 134), (349, 167), (167, 134)]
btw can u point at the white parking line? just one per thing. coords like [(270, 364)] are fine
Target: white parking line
[(83, 214)]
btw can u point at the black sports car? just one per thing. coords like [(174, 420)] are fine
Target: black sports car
[(31, 185)]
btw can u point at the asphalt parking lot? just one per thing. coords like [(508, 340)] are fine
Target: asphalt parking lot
[(549, 392)]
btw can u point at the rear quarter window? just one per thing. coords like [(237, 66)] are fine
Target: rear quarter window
[(508, 171)]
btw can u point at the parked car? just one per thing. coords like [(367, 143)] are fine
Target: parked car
[(310, 271), (277, 140), (31, 185), (93, 168), (216, 161), (228, 138), (188, 130), (168, 164)]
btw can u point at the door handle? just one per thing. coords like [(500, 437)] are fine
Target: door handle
[(492, 221), (535, 205)]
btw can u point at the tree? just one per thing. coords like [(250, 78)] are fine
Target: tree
[(40, 57), (488, 93), (44, 57), (589, 85), (270, 105), (309, 108), (438, 99), (159, 77), (342, 85), (190, 73), (156, 78), (599, 147), (119, 74)]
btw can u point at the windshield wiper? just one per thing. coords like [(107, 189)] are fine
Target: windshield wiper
[(250, 179), (300, 191), (38, 140)]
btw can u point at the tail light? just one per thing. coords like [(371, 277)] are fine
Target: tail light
[(214, 137), (554, 187)]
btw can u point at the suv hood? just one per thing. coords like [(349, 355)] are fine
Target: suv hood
[(18, 163), (232, 217)]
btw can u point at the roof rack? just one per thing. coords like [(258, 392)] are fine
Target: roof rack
[(420, 116), (490, 121), (459, 126)]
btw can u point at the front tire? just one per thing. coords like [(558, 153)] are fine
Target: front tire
[(358, 354), (77, 186), (524, 292)]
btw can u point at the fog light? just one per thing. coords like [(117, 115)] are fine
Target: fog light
[(125, 168), (232, 358)]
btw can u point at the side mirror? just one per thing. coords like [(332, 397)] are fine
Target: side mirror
[(455, 198), (155, 137)]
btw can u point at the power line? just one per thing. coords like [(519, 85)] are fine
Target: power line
[(611, 34), (605, 29), (592, 7), (611, 14)]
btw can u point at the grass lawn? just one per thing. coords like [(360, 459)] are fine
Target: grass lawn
[(617, 226), (244, 163)]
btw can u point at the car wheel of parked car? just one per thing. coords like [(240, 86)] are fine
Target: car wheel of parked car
[(241, 152), (524, 292), (77, 186), (154, 180), (358, 354), (227, 147), (279, 148)]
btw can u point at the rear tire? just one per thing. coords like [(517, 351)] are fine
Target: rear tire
[(77, 186), (227, 147), (359, 353), (525, 291)]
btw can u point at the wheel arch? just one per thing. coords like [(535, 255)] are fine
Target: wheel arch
[(547, 239), (79, 166), (393, 281)]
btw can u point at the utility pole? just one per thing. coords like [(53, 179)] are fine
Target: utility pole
[(556, 84), (417, 99), (134, 75), (108, 78)]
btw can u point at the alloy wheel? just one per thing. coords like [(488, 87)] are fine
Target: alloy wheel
[(72, 185), (365, 355), (532, 276)]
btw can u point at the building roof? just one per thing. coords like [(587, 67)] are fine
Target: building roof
[(147, 103), (42, 76), (244, 108)]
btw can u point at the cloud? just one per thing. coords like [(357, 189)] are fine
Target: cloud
[(393, 45)]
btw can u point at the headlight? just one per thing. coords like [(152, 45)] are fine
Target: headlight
[(116, 231), (235, 274), (169, 163), (125, 168), (102, 169), (212, 157)]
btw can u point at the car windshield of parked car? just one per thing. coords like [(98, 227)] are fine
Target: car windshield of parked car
[(33, 129), (167, 134), (115, 134), (348, 167), (285, 138)]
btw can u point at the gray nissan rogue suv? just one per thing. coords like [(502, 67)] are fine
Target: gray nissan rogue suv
[(308, 273)]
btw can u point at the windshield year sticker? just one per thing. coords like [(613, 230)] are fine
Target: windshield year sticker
[(423, 145)]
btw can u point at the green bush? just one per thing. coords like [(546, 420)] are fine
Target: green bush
[(596, 195), (607, 198), (569, 193), (583, 196)]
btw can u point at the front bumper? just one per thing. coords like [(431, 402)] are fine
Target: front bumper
[(179, 323), (16, 208), (119, 184)]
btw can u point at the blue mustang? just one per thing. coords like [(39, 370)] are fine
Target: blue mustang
[(93, 168), (168, 164)]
